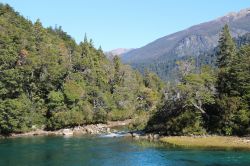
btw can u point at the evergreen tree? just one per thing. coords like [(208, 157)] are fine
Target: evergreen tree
[(226, 55), (47, 79), (240, 71), (117, 65), (232, 86), (227, 48)]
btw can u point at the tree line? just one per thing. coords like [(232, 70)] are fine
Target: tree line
[(212, 100), (48, 81)]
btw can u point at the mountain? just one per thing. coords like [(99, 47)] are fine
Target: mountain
[(118, 51), (193, 41)]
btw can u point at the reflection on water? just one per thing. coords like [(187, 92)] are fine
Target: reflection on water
[(95, 151)]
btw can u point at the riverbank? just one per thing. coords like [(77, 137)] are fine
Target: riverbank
[(91, 129), (208, 142), (222, 142)]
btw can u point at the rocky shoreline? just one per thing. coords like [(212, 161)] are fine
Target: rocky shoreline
[(147, 136), (204, 141), (92, 129)]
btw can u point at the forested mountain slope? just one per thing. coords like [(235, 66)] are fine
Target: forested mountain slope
[(211, 100), (49, 81), (162, 54)]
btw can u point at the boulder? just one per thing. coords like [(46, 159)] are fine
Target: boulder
[(100, 126), (135, 135), (127, 135), (108, 130), (89, 130), (143, 137), (67, 132), (79, 132), (156, 136), (150, 136)]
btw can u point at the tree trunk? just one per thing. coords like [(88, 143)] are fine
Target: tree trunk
[(199, 108)]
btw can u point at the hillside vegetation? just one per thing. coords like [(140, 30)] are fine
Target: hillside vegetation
[(49, 81), (198, 41), (210, 100)]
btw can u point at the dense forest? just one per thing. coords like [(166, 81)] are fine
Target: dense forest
[(212, 99), (167, 69), (48, 81)]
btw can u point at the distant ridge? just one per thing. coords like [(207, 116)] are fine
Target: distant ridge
[(118, 52), (192, 41)]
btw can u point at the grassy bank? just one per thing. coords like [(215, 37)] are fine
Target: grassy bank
[(208, 142)]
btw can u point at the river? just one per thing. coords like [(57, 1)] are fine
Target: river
[(104, 151)]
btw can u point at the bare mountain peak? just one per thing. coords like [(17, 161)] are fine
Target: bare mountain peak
[(118, 52), (235, 15)]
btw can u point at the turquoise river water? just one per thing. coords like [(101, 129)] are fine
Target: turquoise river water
[(95, 151)]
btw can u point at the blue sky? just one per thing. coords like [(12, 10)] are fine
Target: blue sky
[(124, 23)]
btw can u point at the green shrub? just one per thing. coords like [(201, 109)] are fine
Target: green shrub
[(115, 115), (100, 116), (55, 99), (15, 115), (72, 91), (65, 119), (139, 121)]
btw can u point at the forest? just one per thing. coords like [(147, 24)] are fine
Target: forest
[(212, 99), (48, 81)]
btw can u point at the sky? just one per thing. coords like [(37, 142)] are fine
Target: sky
[(124, 23)]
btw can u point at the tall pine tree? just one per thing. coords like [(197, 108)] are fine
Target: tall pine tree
[(225, 57)]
